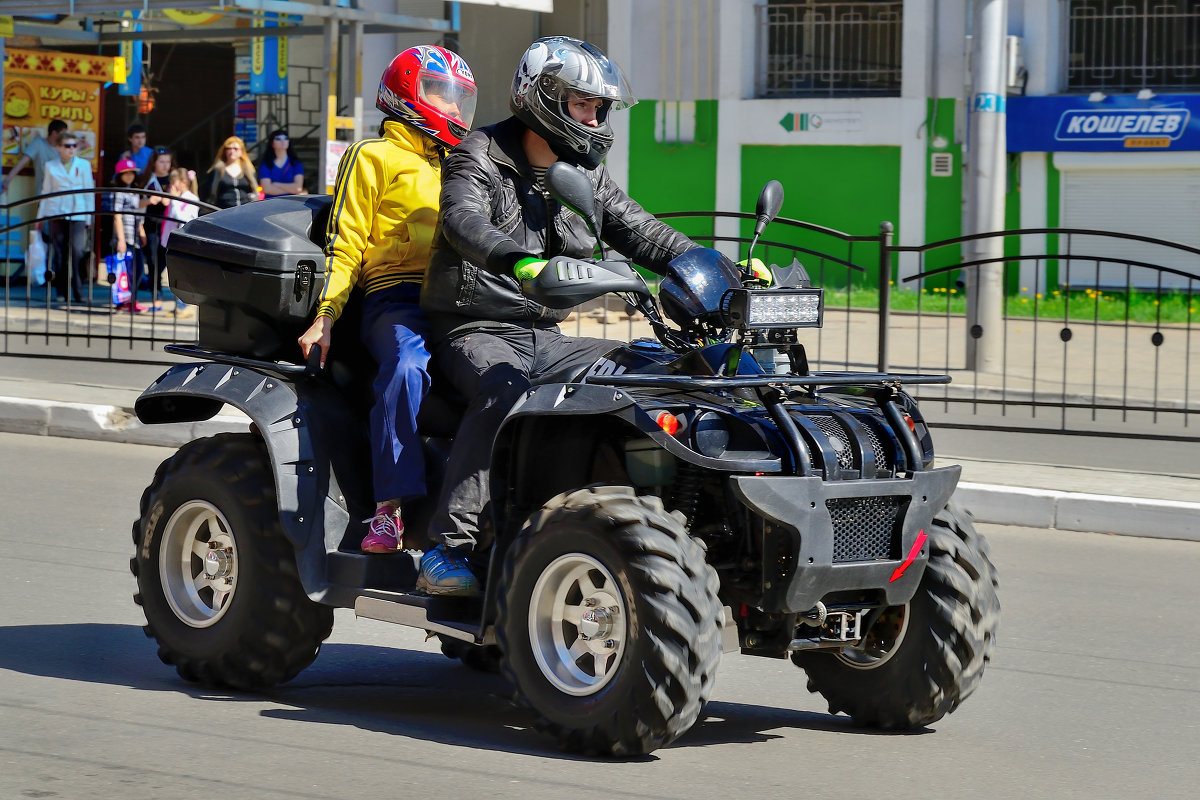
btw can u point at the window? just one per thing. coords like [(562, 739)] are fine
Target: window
[(819, 48), (1128, 45)]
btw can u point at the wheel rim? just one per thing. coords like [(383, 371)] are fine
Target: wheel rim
[(577, 624), (198, 563), (881, 642)]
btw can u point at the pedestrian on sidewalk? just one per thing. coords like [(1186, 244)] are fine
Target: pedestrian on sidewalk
[(72, 216), (129, 233), (232, 180), (385, 207), (38, 152), (155, 177), (181, 210), (138, 153), (280, 171)]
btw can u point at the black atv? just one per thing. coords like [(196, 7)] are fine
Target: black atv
[(703, 499)]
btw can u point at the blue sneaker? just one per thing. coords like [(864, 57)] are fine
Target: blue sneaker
[(445, 573)]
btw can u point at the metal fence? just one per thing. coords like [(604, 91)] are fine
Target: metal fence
[(34, 322), (819, 48), (1097, 337), (1128, 45)]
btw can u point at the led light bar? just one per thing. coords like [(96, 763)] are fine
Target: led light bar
[(751, 309)]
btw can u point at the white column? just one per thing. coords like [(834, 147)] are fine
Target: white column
[(736, 82), (985, 285), (620, 37), (1034, 214)]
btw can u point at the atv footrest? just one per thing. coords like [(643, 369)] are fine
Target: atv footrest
[(456, 617)]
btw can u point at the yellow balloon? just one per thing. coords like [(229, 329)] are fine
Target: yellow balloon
[(191, 17)]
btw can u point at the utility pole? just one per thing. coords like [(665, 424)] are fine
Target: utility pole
[(987, 178)]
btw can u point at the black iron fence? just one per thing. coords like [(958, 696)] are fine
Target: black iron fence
[(34, 321), (1097, 334)]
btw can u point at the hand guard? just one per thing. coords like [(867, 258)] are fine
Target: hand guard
[(529, 268), (759, 270)]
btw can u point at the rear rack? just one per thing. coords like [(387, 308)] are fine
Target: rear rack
[(771, 381)]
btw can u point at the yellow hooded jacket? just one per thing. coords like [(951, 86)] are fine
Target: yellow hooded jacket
[(385, 207)]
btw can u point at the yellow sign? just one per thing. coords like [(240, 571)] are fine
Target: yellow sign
[(41, 86), (6, 26), (73, 66), (186, 17)]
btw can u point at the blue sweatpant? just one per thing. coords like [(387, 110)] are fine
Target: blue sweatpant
[(394, 330)]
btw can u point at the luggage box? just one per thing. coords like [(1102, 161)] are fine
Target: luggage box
[(256, 273)]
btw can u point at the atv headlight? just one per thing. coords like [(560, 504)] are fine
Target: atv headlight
[(773, 308)]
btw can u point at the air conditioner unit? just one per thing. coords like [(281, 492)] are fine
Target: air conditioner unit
[(1014, 64)]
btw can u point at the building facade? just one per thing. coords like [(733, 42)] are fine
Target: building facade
[(859, 109)]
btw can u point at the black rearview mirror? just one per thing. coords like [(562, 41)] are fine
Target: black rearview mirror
[(770, 200), (570, 186)]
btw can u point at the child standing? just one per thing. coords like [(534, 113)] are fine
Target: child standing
[(183, 186), (129, 234)]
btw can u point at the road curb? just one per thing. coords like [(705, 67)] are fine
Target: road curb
[(1080, 511), (104, 422)]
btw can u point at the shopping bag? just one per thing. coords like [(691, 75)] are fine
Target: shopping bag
[(118, 276), (35, 260)]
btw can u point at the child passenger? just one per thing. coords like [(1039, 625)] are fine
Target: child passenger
[(385, 207)]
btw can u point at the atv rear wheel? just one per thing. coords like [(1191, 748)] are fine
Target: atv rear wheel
[(609, 622), (217, 575), (919, 661)]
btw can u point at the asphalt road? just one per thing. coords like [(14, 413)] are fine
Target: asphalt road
[(1093, 691)]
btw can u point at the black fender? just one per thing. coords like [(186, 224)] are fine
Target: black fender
[(308, 450), (527, 470)]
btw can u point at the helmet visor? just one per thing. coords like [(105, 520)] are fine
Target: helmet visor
[(575, 73), (455, 100)]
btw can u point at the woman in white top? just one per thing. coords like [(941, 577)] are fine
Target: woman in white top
[(71, 216), (181, 210)]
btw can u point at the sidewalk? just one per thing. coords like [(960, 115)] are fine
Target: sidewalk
[(94, 400)]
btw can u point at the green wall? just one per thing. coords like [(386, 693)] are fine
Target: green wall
[(849, 189), (674, 177), (943, 196)]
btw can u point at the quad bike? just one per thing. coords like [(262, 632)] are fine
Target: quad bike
[(702, 499)]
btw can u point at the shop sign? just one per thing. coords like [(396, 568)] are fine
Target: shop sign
[(827, 121), (42, 86), (1114, 123), (268, 58)]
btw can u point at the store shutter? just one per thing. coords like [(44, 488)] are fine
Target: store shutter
[(1159, 203)]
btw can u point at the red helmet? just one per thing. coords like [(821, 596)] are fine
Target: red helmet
[(431, 89)]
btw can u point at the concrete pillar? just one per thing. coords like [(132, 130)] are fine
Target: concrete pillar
[(987, 176)]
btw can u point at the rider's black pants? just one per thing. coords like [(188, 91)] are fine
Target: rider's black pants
[(493, 366)]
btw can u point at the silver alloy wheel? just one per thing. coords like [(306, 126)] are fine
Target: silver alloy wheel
[(577, 624), (881, 642), (198, 565)]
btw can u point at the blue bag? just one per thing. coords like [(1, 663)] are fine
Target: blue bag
[(118, 276)]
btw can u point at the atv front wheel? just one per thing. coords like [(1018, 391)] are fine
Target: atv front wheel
[(217, 575), (609, 622), (919, 661)]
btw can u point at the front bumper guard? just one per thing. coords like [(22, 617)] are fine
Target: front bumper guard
[(800, 535)]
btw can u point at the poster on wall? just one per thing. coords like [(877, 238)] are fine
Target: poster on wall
[(41, 86)]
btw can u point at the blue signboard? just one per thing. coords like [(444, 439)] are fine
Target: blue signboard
[(1114, 123)]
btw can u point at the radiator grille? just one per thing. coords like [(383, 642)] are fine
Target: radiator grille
[(839, 439), (865, 528)]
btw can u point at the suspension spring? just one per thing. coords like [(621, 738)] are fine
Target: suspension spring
[(685, 492)]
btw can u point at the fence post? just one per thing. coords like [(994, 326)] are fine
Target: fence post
[(885, 291)]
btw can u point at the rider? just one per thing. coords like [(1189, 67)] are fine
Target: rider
[(385, 207), (497, 227)]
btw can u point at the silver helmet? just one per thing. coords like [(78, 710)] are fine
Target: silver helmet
[(555, 69)]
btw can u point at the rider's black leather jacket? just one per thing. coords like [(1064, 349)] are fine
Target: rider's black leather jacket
[(492, 216)]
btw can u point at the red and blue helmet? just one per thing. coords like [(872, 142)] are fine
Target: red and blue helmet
[(431, 89)]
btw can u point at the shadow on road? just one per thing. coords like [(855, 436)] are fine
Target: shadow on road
[(400, 692)]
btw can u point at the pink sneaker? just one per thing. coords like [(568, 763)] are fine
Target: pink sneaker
[(385, 534)]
